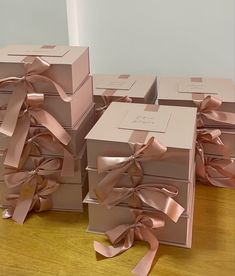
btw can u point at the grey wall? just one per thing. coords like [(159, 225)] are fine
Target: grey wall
[(33, 22)]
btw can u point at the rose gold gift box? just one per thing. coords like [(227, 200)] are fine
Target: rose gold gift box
[(184, 188), (124, 123), (140, 88), (66, 113), (181, 91), (80, 168), (77, 133), (68, 197), (102, 219), (69, 65)]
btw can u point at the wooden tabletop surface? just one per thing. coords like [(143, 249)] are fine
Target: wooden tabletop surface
[(56, 244)]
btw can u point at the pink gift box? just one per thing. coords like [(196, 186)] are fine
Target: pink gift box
[(185, 188), (140, 88), (102, 219), (181, 91), (68, 197), (66, 113), (69, 65), (80, 168), (124, 123), (77, 133)]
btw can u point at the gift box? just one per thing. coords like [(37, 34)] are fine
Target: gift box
[(123, 127), (150, 189), (68, 196), (183, 91), (67, 66), (80, 163), (66, 113), (77, 134), (140, 88), (102, 219)]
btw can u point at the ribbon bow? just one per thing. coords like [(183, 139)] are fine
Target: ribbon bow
[(207, 109), (123, 237), (28, 181), (22, 85), (107, 100), (41, 200), (34, 112), (153, 150)]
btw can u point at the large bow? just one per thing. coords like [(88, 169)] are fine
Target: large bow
[(28, 181), (22, 85), (153, 150), (207, 109), (41, 200), (123, 237), (107, 100), (34, 112)]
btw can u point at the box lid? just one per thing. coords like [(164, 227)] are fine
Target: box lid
[(183, 88), (51, 53), (133, 86), (176, 131)]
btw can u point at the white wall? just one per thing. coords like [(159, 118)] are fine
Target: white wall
[(170, 37), (33, 22)]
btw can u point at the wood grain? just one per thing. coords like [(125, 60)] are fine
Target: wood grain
[(56, 244)]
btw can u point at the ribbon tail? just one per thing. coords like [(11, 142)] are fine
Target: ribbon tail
[(24, 201), (13, 109), (109, 251), (17, 141), (225, 118), (48, 121), (68, 166)]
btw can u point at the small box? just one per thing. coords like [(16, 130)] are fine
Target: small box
[(66, 113), (69, 65), (182, 91), (140, 88), (68, 197), (123, 124), (185, 188), (77, 134), (102, 219)]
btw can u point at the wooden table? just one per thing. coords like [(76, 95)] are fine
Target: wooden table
[(56, 244)]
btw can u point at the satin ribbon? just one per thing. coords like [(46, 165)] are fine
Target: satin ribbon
[(22, 85), (155, 195), (208, 167), (41, 200), (116, 166), (33, 112), (123, 237), (207, 109), (46, 140), (208, 136), (28, 181), (107, 100)]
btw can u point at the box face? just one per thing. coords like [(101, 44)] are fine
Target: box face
[(66, 113), (140, 88), (107, 138), (183, 90), (184, 188), (102, 219), (69, 66)]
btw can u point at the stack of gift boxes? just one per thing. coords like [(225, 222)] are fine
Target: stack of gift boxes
[(141, 167), (46, 111), (215, 102)]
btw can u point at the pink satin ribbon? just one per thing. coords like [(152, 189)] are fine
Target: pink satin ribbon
[(208, 167), (116, 166), (22, 85), (207, 109), (123, 237), (33, 112), (107, 100), (155, 195), (28, 182)]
